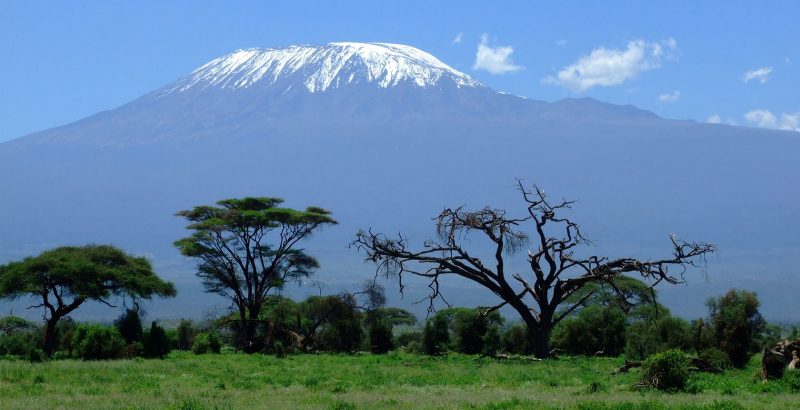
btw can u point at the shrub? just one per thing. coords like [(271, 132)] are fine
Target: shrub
[(129, 325), (716, 358), (36, 356), (156, 343), (380, 337), (595, 329), (668, 371), (736, 323), (791, 379), (19, 343), (135, 349), (436, 335), (515, 339), (645, 338), (96, 342), (186, 333), (206, 342), (405, 338), (492, 341)]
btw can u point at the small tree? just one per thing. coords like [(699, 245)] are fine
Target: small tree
[(63, 278), (129, 325), (380, 336), (156, 342), (594, 331), (736, 323), (186, 333), (436, 334), (248, 247), (542, 297)]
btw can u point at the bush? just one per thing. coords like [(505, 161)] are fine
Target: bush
[(186, 333), (129, 325), (736, 324), (436, 335), (716, 358), (206, 342), (156, 343), (19, 343), (645, 338), (668, 371), (791, 379), (135, 349), (380, 337), (96, 342), (515, 339), (405, 338), (595, 329), (492, 341)]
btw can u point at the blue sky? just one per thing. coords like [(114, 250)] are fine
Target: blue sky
[(738, 61)]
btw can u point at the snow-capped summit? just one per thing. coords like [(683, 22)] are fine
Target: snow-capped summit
[(319, 68)]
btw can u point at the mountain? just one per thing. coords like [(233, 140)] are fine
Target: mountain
[(385, 136)]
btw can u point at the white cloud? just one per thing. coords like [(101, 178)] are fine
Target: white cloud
[(561, 42), (766, 119), (608, 67), (759, 74), (714, 119), (496, 60), (671, 97), (457, 39)]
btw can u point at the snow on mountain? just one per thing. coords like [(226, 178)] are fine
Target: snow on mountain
[(325, 67)]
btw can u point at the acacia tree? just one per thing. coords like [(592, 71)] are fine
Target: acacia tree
[(556, 273), (246, 248), (64, 278)]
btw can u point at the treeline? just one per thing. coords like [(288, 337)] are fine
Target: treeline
[(246, 250)]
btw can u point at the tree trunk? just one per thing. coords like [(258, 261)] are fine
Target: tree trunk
[(242, 329), (251, 331), (539, 340), (50, 336)]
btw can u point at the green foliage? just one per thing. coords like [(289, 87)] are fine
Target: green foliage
[(129, 325), (406, 337), (667, 371), (492, 341), (10, 325), (436, 334), (736, 324), (646, 337), (89, 272), (18, 337), (791, 379), (66, 277), (470, 327), (595, 329), (380, 337), (156, 343), (186, 332), (626, 293), (206, 342), (343, 332), (515, 339), (394, 316), (236, 260), (97, 342), (716, 358), (770, 335)]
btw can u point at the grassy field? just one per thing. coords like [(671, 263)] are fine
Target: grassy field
[(236, 381)]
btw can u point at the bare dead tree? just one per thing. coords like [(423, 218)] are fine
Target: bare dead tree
[(555, 274)]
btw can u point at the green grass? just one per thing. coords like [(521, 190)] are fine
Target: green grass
[(234, 381)]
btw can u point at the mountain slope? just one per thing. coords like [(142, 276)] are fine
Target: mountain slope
[(386, 136)]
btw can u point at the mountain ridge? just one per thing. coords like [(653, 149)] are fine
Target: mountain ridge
[(391, 158)]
